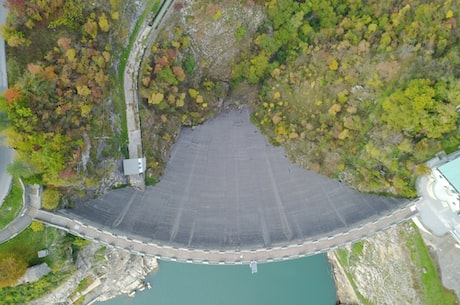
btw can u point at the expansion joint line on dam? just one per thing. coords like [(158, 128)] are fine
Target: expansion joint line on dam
[(140, 246)]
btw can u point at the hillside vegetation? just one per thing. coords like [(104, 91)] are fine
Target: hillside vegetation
[(21, 252), (58, 106), (360, 91)]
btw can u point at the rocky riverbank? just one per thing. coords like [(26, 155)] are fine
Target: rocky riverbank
[(384, 269), (102, 274)]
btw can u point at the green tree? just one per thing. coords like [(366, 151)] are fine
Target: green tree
[(72, 15), (418, 111), (20, 169), (422, 170)]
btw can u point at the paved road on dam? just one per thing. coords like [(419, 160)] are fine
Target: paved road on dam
[(226, 188)]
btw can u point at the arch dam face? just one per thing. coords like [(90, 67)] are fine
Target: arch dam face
[(226, 188)]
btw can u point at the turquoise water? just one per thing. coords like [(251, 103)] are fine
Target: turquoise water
[(305, 281)]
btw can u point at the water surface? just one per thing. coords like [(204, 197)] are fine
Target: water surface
[(305, 281)]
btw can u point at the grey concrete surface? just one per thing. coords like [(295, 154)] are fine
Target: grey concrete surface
[(434, 210), (31, 204), (225, 187), (434, 216), (140, 245), (6, 157)]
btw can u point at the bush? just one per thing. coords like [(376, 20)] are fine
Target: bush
[(50, 199), (12, 267), (189, 64), (37, 226)]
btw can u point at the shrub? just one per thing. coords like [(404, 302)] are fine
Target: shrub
[(37, 226), (12, 267), (50, 199)]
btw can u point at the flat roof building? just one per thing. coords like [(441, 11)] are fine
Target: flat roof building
[(448, 175), (34, 273), (134, 166), (451, 172)]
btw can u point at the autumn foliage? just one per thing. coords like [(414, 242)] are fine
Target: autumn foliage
[(12, 267), (51, 105), (362, 91)]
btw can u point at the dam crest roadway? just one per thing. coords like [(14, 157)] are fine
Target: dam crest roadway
[(229, 196)]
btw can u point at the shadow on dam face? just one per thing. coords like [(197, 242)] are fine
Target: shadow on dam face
[(225, 187)]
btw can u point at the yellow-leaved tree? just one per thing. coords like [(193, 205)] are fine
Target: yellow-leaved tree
[(12, 267)]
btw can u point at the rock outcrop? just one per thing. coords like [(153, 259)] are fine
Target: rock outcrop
[(382, 270), (112, 272)]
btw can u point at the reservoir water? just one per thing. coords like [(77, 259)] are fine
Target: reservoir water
[(305, 281)]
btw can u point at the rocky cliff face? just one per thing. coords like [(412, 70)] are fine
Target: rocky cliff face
[(111, 272), (380, 270), (219, 31)]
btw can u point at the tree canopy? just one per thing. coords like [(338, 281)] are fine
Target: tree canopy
[(361, 91), (50, 105)]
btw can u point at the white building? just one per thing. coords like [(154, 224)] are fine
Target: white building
[(448, 175), (134, 166)]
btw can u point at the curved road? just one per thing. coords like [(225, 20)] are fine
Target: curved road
[(143, 246)]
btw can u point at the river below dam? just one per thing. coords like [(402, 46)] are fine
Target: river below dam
[(304, 281)]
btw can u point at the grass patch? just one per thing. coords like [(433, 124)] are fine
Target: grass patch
[(26, 245), (100, 254), (357, 249), (84, 283), (346, 260), (151, 180), (433, 291), (426, 278), (12, 204)]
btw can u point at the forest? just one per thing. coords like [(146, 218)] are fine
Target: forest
[(59, 57), (362, 91)]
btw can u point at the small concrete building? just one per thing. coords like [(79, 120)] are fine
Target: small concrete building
[(43, 253), (34, 273), (134, 166)]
